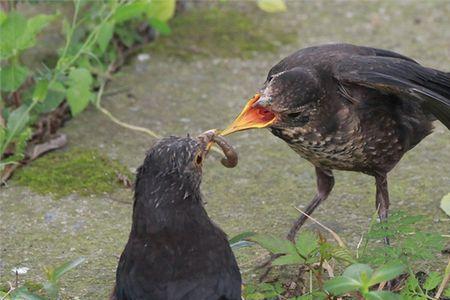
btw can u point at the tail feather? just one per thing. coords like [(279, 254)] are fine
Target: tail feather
[(438, 97)]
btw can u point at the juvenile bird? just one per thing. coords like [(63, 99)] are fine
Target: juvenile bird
[(174, 250), (351, 108)]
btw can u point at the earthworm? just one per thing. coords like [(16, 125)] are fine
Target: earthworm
[(231, 158)]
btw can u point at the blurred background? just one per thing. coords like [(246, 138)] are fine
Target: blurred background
[(97, 81)]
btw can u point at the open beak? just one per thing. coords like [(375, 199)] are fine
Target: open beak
[(252, 116)]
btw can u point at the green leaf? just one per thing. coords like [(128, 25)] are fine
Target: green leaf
[(56, 94), (272, 6), (306, 243), (2, 136), (355, 271), (40, 90), (78, 93), (23, 293), (433, 280), (66, 267), (342, 254), (274, 245), (447, 292), (17, 120), (381, 295), (19, 34), (241, 244), (3, 17), (13, 27), (12, 77), (162, 10), (104, 36), (241, 236), (37, 23), (288, 259), (341, 285), (20, 143), (130, 11), (160, 26), (445, 204), (386, 272)]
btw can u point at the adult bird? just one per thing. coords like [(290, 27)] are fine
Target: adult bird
[(347, 107), (174, 250)]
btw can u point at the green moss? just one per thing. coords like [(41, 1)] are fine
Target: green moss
[(84, 172), (222, 32)]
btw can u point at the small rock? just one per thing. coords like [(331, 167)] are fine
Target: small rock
[(20, 270), (143, 57)]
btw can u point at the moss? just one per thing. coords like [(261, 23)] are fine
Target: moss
[(84, 172), (214, 32)]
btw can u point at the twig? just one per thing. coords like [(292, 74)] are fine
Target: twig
[(126, 125), (334, 234), (359, 246), (444, 281)]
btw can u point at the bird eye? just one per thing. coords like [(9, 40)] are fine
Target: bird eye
[(294, 115)]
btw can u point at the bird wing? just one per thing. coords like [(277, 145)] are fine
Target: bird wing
[(403, 78)]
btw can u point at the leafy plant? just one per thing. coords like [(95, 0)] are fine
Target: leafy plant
[(84, 62), (409, 244), (313, 254), (445, 204), (263, 291), (308, 249), (47, 291), (360, 277)]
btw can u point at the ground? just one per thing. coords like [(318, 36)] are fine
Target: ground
[(173, 95)]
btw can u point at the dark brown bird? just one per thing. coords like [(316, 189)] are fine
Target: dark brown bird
[(351, 108), (174, 250)]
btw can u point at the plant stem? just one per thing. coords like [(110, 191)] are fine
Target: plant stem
[(444, 282)]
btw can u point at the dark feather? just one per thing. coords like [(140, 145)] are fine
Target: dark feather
[(409, 81), (174, 250)]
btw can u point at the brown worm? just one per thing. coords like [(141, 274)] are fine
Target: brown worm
[(231, 158)]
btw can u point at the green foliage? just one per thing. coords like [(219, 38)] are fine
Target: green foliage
[(12, 77), (80, 171), (47, 291), (360, 277), (79, 91), (310, 252), (308, 249), (408, 242), (82, 63), (262, 291), (272, 6), (445, 204)]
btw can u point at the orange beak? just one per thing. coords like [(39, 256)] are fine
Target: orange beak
[(251, 117)]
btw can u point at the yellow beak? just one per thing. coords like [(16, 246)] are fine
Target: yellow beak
[(251, 117)]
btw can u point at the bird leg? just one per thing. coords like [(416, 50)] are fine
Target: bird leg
[(325, 183), (382, 199)]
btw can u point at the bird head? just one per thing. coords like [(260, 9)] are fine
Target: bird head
[(285, 100), (177, 159)]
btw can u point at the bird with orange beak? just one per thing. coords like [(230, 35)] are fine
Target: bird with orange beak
[(351, 108)]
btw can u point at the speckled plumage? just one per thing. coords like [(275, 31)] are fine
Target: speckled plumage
[(353, 108), (174, 250)]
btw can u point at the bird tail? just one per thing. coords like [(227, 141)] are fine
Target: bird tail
[(438, 95)]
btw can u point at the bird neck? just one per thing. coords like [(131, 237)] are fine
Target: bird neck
[(166, 204)]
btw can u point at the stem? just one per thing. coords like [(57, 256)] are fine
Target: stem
[(69, 36), (444, 282), (114, 119)]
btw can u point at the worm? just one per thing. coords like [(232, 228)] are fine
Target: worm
[(231, 158)]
